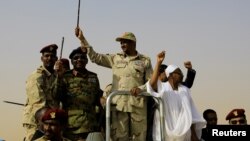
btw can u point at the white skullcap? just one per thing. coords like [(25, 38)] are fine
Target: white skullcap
[(170, 69)]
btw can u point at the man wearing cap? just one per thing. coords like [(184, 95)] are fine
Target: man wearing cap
[(189, 78), (237, 117), (41, 89), (152, 106), (38, 117), (81, 94), (54, 122), (182, 121), (130, 70)]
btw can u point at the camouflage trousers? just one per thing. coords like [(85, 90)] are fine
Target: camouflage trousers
[(29, 131), (129, 126)]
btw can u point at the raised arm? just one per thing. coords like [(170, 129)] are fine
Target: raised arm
[(79, 35), (155, 75), (105, 60), (190, 74)]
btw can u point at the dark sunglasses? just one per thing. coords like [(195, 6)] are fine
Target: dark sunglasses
[(241, 121), (81, 57)]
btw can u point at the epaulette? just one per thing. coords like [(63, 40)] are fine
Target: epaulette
[(40, 69), (144, 56)]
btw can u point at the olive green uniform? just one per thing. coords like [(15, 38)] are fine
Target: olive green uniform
[(128, 72), (41, 90), (81, 95)]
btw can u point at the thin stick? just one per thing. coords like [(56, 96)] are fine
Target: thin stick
[(61, 47), (14, 103), (78, 14)]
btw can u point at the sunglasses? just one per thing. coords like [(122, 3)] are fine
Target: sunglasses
[(81, 57), (241, 121)]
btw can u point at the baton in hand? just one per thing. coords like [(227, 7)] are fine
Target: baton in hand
[(61, 48), (78, 13), (10, 102)]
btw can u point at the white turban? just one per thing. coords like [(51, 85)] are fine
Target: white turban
[(170, 69)]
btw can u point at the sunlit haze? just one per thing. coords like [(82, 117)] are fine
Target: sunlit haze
[(213, 34)]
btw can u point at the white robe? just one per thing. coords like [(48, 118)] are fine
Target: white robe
[(179, 113)]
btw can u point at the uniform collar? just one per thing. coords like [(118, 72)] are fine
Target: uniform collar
[(131, 57), (44, 70), (77, 73)]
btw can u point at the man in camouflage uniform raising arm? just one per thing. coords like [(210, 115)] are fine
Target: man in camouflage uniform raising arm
[(130, 70)]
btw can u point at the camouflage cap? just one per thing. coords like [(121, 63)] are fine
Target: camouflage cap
[(235, 113), (49, 48), (126, 36)]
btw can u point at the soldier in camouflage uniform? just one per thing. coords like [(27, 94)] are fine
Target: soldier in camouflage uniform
[(41, 89), (81, 91), (130, 70)]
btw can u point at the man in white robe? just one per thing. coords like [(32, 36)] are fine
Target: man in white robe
[(182, 121)]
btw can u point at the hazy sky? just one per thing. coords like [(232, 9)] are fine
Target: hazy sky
[(213, 34)]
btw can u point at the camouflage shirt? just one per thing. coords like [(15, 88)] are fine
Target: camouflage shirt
[(41, 90), (81, 95)]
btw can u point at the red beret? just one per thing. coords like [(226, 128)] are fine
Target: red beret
[(65, 63), (56, 114), (49, 48), (235, 113)]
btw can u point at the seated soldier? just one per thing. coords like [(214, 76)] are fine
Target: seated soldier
[(38, 117), (54, 122)]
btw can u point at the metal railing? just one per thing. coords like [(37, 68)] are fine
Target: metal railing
[(108, 110)]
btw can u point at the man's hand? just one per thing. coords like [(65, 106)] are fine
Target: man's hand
[(135, 91), (161, 56), (59, 68), (103, 101), (79, 34), (188, 65)]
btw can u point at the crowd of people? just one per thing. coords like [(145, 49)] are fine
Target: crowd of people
[(68, 104)]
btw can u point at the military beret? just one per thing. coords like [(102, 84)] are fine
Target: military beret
[(126, 36), (235, 113), (77, 50), (49, 48), (56, 114)]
